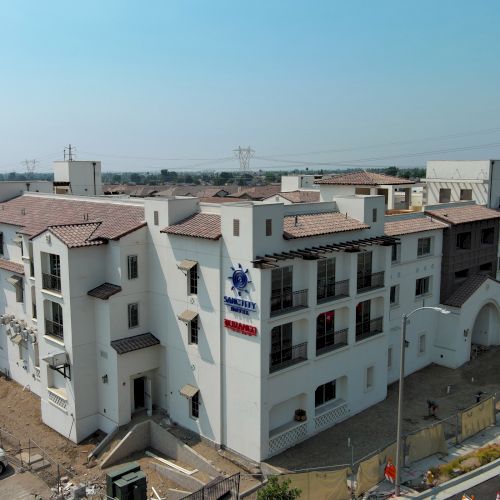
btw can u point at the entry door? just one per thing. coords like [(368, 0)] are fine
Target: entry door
[(139, 393)]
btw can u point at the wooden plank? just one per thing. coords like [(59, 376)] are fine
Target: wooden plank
[(171, 464)]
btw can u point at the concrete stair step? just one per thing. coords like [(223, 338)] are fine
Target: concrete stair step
[(38, 466), (29, 459)]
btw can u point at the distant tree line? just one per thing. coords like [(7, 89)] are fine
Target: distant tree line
[(34, 176)]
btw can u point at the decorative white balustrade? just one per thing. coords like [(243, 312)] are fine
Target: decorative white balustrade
[(289, 437), (331, 416), (57, 398)]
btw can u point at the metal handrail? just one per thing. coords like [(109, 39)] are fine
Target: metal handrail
[(51, 282), (287, 357), (332, 291), (54, 329), (370, 281), (287, 300), (366, 329), (339, 340)]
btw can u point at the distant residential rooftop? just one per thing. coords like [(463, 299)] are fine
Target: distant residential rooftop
[(363, 179), (463, 214)]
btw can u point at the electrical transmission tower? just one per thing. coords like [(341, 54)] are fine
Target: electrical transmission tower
[(30, 166), (68, 152), (244, 155)]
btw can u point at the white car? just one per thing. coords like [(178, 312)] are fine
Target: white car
[(3, 461)]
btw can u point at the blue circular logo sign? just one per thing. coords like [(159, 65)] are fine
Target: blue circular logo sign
[(239, 279)]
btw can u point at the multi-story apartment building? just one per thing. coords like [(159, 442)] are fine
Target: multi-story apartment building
[(228, 317), (463, 180)]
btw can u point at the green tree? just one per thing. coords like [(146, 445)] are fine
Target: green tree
[(274, 490)]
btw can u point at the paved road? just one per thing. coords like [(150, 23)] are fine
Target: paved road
[(483, 491)]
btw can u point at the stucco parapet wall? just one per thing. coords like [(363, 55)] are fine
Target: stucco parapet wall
[(149, 434)]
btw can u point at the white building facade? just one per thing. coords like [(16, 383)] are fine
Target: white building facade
[(254, 325)]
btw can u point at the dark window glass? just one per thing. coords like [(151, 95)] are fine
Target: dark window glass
[(487, 236), (133, 315), (422, 286), (464, 240), (269, 227), (236, 227), (281, 344), (326, 278), (195, 405), (193, 331), (324, 393), (193, 280), (132, 267)]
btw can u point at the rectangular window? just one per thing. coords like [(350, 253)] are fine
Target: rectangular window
[(364, 270), (269, 227), (156, 219), (326, 337), (444, 195), (132, 267), (488, 267), (464, 240), (389, 357), (487, 236), (193, 331), (422, 286), (421, 344), (466, 194), (236, 227), (460, 275), (394, 295), (193, 280), (324, 393), (133, 315), (20, 291), (281, 344), (194, 404), (374, 215), (423, 247), (325, 278), (369, 378), (54, 324), (395, 253), (363, 314), (281, 288), (33, 310)]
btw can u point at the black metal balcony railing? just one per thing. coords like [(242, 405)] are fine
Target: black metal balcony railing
[(287, 301), (287, 357), (368, 282), (330, 342), (367, 329), (332, 291), (54, 329), (51, 282)]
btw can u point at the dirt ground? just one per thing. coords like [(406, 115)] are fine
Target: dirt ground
[(369, 430), (376, 426)]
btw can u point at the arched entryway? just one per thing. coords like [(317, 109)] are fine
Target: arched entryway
[(486, 329)]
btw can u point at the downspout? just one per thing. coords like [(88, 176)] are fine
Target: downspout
[(222, 352)]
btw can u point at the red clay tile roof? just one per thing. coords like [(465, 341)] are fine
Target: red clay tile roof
[(363, 179), (413, 225), (463, 214), (464, 292), (40, 212), (301, 226), (77, 235), (13, 267), (134, 343), (104, 291), (299, 196), (199, 225)]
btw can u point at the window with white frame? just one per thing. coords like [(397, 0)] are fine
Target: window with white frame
[(369, 377), (324, 393), (394, 295), (193, 331), (423, 247), (422, 286), (133, 315), (133, 271), (421, 344), (194, 406)]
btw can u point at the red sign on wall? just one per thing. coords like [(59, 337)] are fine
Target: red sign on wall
[(240, 327)]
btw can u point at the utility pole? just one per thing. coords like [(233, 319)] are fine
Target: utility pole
[(244, 155), (30, 166), (68, 152)]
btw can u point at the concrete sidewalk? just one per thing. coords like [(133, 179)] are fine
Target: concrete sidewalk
[(415, 472)]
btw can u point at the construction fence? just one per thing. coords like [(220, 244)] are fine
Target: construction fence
[(369, 471), (28, 455)]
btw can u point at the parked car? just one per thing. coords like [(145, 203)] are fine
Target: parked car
[(3, 461)]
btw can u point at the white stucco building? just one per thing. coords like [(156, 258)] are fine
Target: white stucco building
[(228, 317), (462, 180)]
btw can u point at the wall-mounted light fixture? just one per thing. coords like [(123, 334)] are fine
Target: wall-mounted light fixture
[(104, 379)]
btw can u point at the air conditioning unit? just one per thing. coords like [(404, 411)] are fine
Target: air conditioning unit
[(3, 319), (12, 322), (32, 338), (16, 328), (24, 333)]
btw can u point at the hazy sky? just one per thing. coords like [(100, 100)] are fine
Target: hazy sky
[(126, 81)]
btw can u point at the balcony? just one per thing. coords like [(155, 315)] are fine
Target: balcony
[(327, 343), (332, 291), (288, 301), (54, 329), (367, 329), (285, 436), (287, 357), (51, 282), (369, 282)]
